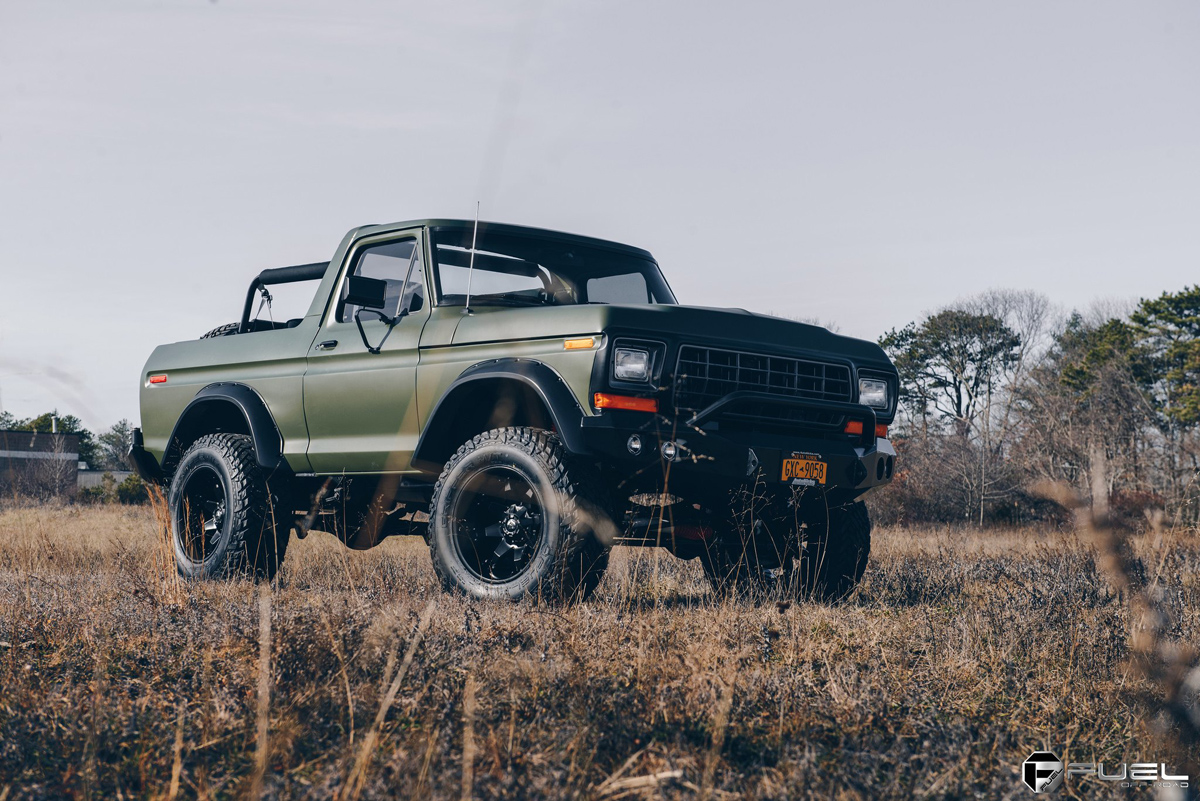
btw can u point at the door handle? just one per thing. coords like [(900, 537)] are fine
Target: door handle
[(328, 344)]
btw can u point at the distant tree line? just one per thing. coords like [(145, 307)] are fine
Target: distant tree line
[(1000, 392)]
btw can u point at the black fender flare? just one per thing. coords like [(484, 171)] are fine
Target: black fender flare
[(560, 401), (268, 442)]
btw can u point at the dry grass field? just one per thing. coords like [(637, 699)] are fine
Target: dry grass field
[(960, 654)]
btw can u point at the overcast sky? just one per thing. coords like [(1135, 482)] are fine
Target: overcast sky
[(857, 162)]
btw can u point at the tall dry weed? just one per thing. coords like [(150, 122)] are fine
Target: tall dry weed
[(1168, 665)]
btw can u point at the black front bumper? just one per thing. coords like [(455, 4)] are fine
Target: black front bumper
[(143, 461), (706, 459)]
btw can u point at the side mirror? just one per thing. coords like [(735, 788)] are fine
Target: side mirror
[(369, 293)]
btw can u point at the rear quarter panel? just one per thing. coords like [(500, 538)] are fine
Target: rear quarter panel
[(270, 362)]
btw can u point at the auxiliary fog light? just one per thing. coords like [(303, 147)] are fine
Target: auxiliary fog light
[(670, 451), (634, 444)]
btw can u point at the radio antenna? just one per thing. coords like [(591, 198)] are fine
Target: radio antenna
[(471, 266)]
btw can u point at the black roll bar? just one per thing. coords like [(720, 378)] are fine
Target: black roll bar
[(279, 275)]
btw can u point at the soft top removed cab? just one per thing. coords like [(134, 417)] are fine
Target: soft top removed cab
[(524, 399)]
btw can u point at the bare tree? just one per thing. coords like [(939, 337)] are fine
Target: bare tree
[(954, 367)]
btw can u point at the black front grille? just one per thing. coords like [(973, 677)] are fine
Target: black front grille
[(705, 375)]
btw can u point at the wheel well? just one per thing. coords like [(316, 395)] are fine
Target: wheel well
[(213, 416), (477, 406)]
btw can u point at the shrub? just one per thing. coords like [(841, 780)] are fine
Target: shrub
[(104, 492), (132, 490)]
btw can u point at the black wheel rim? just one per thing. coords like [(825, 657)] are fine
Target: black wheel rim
[(204, 510), (497, 523)]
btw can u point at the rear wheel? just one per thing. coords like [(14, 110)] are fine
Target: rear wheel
[(511, 518), (223, 521)]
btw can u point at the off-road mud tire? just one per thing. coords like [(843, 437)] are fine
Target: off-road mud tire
[(752, 551), (572, 555), (252, 539), (776, 551), (836, 553), (754, 565)]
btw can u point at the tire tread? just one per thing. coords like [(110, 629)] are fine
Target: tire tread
[(255, 515), (582, 556)]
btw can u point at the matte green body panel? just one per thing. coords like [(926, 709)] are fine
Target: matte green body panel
[(270, 362), (440, 366), (361, 407)]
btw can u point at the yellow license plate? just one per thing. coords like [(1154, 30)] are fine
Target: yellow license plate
[(807, 470)]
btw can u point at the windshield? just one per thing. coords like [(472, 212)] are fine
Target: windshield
[(530, 270)]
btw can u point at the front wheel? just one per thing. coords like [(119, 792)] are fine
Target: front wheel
[(510, 518), (836, 553), (775, 555)]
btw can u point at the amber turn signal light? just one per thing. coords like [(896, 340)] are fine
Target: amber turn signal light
[(855, 427), (582, 343), (603, 400)]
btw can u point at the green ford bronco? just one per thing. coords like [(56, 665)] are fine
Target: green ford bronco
[(524, 400)]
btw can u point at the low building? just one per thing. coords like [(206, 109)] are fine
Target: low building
[(39, 465), (95, 478)]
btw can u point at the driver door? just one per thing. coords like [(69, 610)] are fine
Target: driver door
[(361, 407)]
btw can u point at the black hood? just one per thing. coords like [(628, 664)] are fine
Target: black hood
[(743, 330)]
